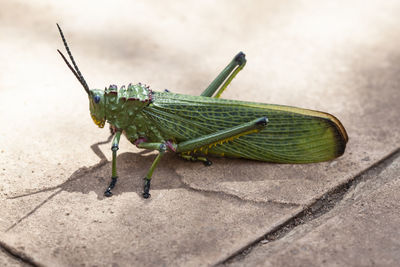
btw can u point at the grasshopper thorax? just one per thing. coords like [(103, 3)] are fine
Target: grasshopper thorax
[(108, 104), (138, 93)]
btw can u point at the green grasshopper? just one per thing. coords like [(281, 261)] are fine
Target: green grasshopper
[(196, 126)]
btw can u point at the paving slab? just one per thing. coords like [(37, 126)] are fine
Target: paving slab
[(127, 230), (339, 57), (361, 230), (7, 260)]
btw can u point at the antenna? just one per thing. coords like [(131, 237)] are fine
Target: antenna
[(75, 70)]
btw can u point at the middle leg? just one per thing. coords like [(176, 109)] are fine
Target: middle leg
[(161, 147)]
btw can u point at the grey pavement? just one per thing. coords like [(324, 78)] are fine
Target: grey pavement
[(362, 229), (7, 260), (340, 57)]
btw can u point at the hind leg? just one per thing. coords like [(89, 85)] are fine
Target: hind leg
[(226, 76)]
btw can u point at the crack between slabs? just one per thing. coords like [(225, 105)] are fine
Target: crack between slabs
[(236, 197), (318, 208), (22, 256), (18, 255)]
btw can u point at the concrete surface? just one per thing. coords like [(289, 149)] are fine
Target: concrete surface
[(341, 57), (7, 260), (363, 229)]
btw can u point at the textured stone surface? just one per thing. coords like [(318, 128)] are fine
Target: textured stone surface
[(179, 228), (9, 261), (339, 57), (362, 230)]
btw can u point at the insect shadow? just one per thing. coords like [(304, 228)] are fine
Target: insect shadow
[(132, 168), (96, 177)]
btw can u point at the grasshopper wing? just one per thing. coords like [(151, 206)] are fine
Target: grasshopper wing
[(293, 135)]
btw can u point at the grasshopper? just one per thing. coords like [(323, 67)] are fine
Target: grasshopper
[(197, 126)]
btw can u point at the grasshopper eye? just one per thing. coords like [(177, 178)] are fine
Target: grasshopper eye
[(96, 99)]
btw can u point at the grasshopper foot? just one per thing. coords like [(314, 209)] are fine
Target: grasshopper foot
[(207, 162), (146, 189), (108, 192)]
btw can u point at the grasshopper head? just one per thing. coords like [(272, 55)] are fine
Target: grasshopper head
[(97, 107), (96, 97)]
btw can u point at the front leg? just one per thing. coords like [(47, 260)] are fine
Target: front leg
[(114, 175)]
